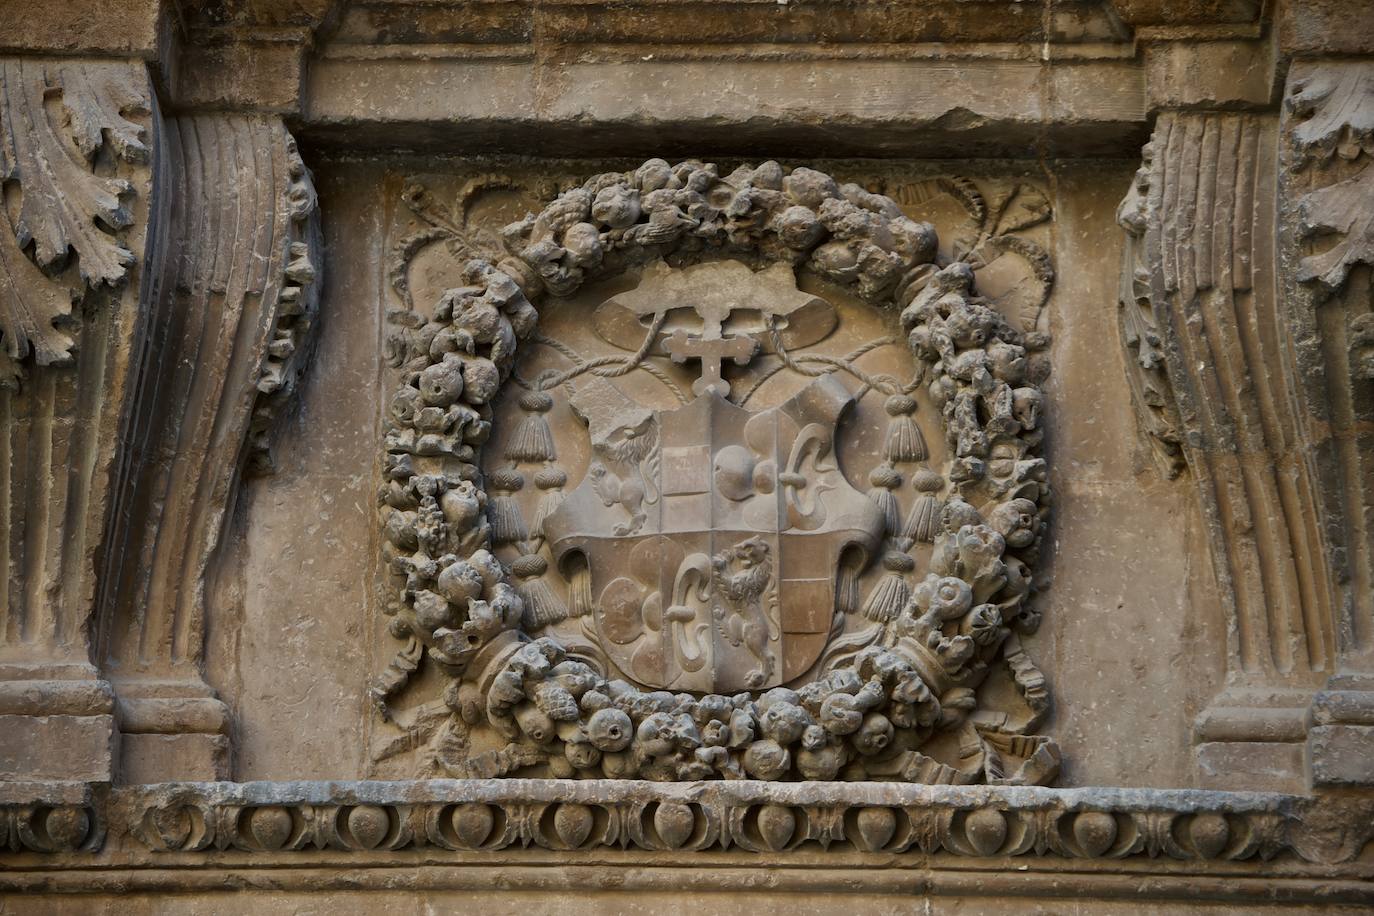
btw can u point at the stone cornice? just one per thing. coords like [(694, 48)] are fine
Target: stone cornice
[(314, 62), (1100, 842)]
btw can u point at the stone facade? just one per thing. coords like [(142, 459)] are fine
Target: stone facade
[(584, 457)]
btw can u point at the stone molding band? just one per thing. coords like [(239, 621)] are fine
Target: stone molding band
[(1141, 843), (375, 816)]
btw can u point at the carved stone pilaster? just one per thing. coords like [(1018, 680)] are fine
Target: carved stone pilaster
[(1209, 350), (79, 155), (1327, 248), (232, 316)]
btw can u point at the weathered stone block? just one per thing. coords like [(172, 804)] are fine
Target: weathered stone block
[(168, 758), (1260, 765), (1341, 755), (81, 748)]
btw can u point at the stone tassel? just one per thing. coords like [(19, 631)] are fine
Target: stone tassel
[(507, 524), (847, 590), (551, 480), (542, 606), (580, 591), (923, 522), (533, 440), (891, 593), (885, 479), (904, 440)]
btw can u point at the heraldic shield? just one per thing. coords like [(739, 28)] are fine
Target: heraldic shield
[(714, 535)]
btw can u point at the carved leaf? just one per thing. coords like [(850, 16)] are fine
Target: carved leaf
[(418, 732), (31, 308), (423, 204), (930, 827), (54, 120), (451, 744), (1347, 209), (1336, 105)]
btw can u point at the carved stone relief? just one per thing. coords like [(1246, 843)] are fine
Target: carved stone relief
[(1327, 244), (233, 313), (65, 198), (79, 155), (716, 506), (715, 596), (1205, 340)]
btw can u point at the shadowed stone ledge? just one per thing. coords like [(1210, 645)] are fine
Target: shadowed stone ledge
[(1160, 843)]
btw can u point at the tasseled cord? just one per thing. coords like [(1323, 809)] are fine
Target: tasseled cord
[(507, 523), (551, 480), (847, 590), (904, 440), (533, 440), (580, 590), (542, 606), (891, 593), (885, 479), (923, 522)]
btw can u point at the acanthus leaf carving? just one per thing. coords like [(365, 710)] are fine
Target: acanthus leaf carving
[(1335, 108), (1346, 209), (34, 313), (62, 125), (1332, 108)]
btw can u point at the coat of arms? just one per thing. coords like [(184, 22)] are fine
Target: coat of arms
[(713, 535), (628, 523), (712, 532)]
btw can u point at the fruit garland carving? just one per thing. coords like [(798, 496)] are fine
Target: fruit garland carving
[(872, 712)]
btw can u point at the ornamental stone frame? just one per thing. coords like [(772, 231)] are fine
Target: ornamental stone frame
[(474, 451), (869, 709)]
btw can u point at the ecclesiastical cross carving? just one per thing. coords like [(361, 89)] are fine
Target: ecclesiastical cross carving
[(712, 348)]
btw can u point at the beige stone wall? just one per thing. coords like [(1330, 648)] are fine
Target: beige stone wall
[(300, 613), (283, 627)]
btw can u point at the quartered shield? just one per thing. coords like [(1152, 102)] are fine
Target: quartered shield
[(713, 535)]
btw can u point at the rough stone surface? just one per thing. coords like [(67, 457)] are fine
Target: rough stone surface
[(602, 457)]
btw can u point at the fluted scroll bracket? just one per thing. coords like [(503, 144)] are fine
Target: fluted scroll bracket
[(1212, 377), (1246, 320), (234, 310)]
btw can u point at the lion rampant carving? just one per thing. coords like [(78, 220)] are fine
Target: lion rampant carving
[(741, 574)]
